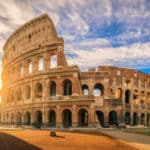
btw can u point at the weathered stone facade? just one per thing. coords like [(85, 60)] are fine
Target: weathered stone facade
[(40, 87)]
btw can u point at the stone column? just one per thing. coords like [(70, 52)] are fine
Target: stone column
[(74, 116), (58, 117)]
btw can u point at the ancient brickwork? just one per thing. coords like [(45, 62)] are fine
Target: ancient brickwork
[(40, 88)]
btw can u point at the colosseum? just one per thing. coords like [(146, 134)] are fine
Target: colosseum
[(39, 87)]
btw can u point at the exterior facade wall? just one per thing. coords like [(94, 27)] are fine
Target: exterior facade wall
[(40, 89)]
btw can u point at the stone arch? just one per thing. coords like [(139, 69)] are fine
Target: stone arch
[(38, 90), (52, 88), (83, 117), (38, 118), (148, 119), (113, 118), (19, 119), (40, 63), (30, 67), (85, 89), (142, 118), (127, 96), (27, 118), (135, 118), (53, 61), (19, 94), (127, 118), (67, 87), (118, 93), (27, 92), (51, 118), (12, 118), (67, 118), (100, 116), (98, 89)]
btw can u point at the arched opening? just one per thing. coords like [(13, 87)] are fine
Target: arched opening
[(19, 94), (53, 62), (38, 118), (142, 119), (52, 118), (127, 118), (148, 120), (18, 119), (83, 117), (38, 90), (100, 116), (135, 119), (113, 119), (127, 96), (85, 90), (27, 92), (30, 67), (67, 87), (41, 64), (67, 118), (118, 93), (98, 89), (52, 88), (27, 120), (12, 118)]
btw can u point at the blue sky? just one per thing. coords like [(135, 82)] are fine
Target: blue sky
[(96, 32)]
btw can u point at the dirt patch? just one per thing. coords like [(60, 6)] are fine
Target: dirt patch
[(41, 140)]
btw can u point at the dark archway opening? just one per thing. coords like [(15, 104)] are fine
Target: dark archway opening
[(52, 118), (83, 117), (142, 119), (127, 96), (127, 118), (39, 121), (67, 87), (113, 119), (18, 120), (100, 116), (67, 118), (148, 119), (135, 119), (27, 118), (52, 88)]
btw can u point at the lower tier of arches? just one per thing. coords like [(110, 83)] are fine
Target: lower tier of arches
[(74, 117)]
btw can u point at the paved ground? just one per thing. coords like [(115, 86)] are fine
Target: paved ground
[(40, 140), (142, 142)]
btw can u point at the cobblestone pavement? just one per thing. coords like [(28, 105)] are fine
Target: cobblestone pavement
[(141, 142)]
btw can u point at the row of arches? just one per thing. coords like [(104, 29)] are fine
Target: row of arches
[(137, 119), (38, 92), (82, 117)]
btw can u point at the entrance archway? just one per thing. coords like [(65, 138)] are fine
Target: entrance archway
[(127, 118), (142, 119), (100, 116), (135, 119), (83, 117), (148, 119), (38, 118), (18, 119), (113, 119), (27, 120), (67, 118), (52, 118)]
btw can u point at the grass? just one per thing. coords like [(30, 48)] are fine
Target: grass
[(139, 131)]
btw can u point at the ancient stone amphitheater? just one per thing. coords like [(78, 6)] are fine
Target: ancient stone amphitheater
[(40, 88)]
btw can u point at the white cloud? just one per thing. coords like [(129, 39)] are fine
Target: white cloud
[(131, 56)]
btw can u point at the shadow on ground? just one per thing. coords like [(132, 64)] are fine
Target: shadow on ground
[(9, 142)]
